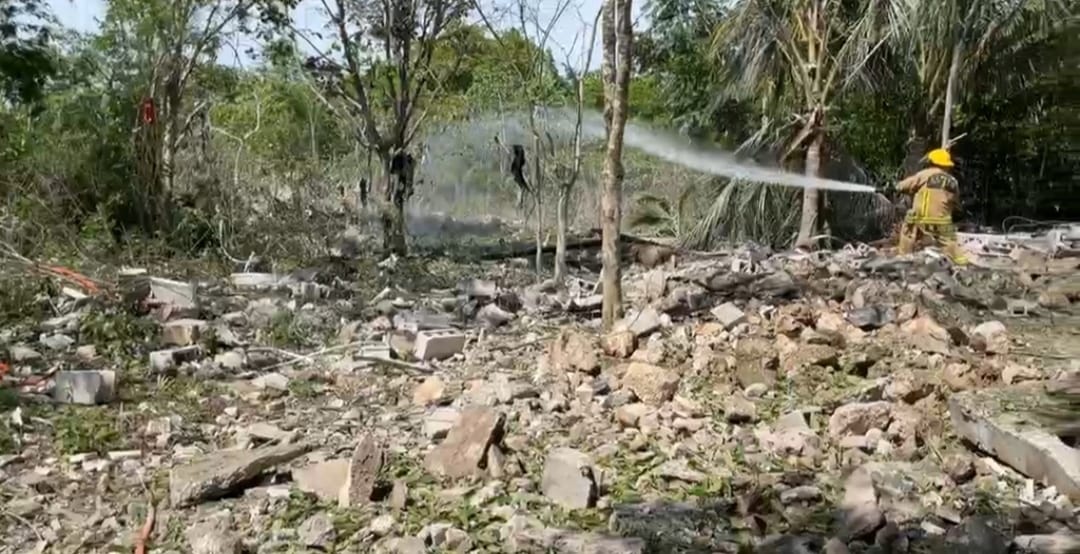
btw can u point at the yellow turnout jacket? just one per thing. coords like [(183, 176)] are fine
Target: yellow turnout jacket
[(935, 196)]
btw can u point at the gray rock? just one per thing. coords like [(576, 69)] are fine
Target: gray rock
[(641, 323), (870, 317), (215, 475), (439, 422), (214, 536), (1048, 544), (317, 531), (523, 534), (729, 315), (858, 418), (568, 479), (493, 316), (859, 507), (21, 353), (182, 332), (739, 409), (977, 535), (651, 384), (57, 341)]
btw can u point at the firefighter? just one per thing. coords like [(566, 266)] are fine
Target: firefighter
[(935, 192)]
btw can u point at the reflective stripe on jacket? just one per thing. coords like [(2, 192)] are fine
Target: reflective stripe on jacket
[(935, 196)]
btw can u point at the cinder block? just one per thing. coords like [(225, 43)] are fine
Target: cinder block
[(85, 387), (439, 344)]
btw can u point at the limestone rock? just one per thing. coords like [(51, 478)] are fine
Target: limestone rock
[(363, 472), (620, 344), (859, 506), (325, 479), (858, 418), (990, 337), (214, 536), (729, 315), (317, 531), (431, 392), (925, 334), (568, 479), (465, 448), (215, 475), (574, 351), (651, 384)]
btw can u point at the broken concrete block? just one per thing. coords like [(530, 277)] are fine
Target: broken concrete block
[(999, 421), (325, 480), (85, 387), (466, 446), (362, 474), (568, 479), (162, 361), (255, 280), (1048, 544), (439, 422), (439, 344), (56, 341), (219, 473), (729, 315), (642, 323), (374, 349), (182, 332), (178, 294)]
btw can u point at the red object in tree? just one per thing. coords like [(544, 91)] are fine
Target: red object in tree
[(146, 110)]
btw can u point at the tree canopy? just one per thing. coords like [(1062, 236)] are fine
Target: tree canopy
[(859, 89)]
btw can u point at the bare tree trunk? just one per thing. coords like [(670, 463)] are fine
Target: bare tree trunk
[(169, 142), (618, 35), (811, 197), (562, 209), (950, 91), (400, 173), (538, 186)]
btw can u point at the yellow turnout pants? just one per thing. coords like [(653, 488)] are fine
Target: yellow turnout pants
[(944, 234)]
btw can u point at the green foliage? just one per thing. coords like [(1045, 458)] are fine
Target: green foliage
[(26, 59), (89, 429), (273, 155)]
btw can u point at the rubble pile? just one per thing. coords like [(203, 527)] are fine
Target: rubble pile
[(748, 401)]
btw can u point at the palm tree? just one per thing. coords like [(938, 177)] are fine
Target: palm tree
[(949, 42), (797, 57)]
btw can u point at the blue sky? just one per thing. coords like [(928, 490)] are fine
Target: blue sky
[(82, 15)]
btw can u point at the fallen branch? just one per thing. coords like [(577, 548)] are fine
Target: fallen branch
[(148, 525), (24, 521), (144, 534), (91, 286)]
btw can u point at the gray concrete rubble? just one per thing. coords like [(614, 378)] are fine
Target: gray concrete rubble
[(999, 421), (747, 400)]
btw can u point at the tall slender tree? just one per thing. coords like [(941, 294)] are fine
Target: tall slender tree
[(618, 47)]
